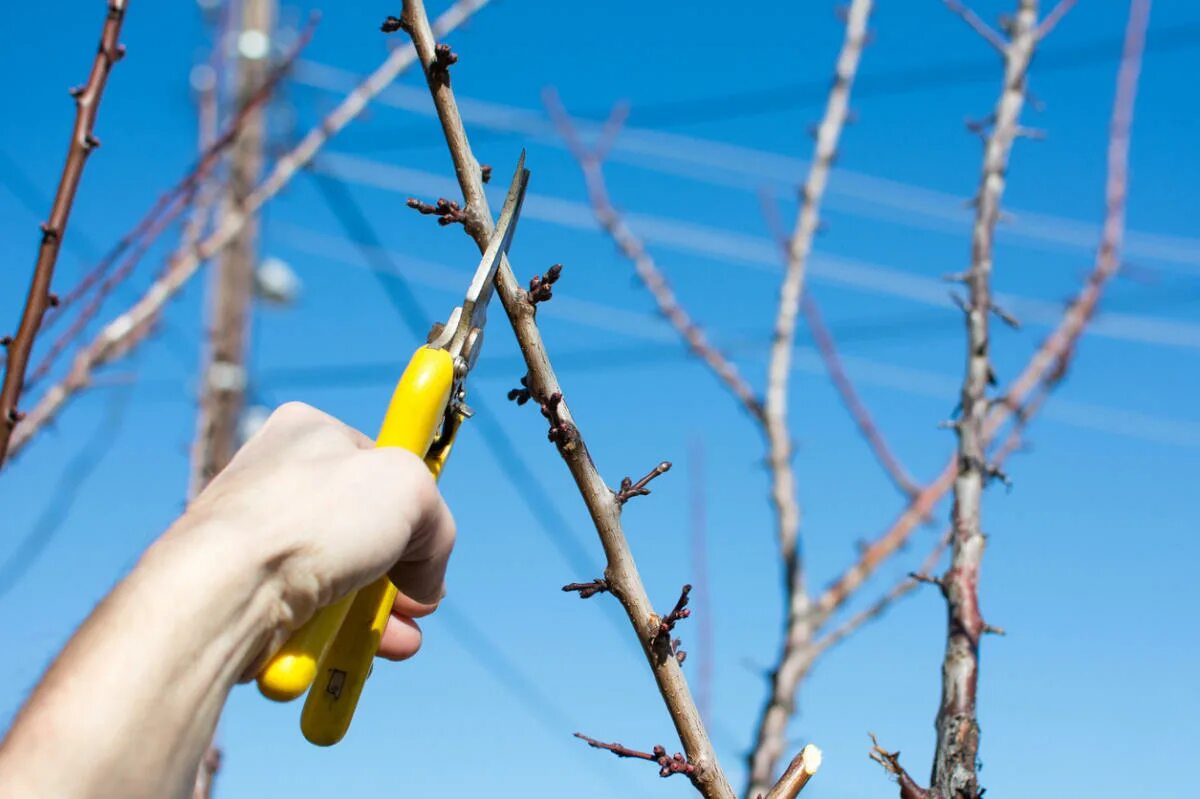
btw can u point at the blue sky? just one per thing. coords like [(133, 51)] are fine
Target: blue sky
[(1089, 565)]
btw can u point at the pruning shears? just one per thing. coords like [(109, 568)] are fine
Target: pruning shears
[(332, 653)]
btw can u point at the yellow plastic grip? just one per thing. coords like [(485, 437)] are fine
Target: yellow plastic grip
[(417, 408)]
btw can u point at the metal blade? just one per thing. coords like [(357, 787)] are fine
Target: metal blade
[(479, 293)]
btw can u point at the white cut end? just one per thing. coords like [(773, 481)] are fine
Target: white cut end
[(812, 759)]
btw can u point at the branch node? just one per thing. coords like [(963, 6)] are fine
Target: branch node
[(521, 395), (561, 431), (443, 57), (678, 613), (630, 489), (485, 173), (393, 24), (989, 629), (540, 285)]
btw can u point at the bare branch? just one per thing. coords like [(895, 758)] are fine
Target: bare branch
[(1054, 17), (989, 34), (823, 338), (39, 298), (794, 660), (955, 758), (588, 590), (621, 571), (634, 249), (668, 765), (128, 329), (798, 773), (630, 489), (207, 773)]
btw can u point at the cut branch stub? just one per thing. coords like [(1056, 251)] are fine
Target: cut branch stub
[(588, 590), (630, 489), (668, 764), (540, 286), (448, 212)]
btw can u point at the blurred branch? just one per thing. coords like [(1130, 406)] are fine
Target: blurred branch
[(989, 34), (771, 729), (39, 298), (170, 205), (634, 249), (798, 773), (128, 329), (1054, 17), (621, 573)]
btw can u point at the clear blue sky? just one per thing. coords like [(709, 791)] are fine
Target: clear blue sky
[(1090, 559)]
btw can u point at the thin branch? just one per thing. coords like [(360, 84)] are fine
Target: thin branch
[(175, 201), (826, 346), (668, 764), (128, 329), (634, 249), (621, 571), (207, 773), (989, 34), (827, 349), (802, 769), (955, 758), (630, 489), (1054, 17), (39, 298), (891, 764), (771, 729), (588, 590)]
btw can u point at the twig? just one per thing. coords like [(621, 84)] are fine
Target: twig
[(588, 590), (1054, 17), (630, 489), (206, 775), (39, 298), (770, 731), (128, 329), (989, 34), (668, 765), (823, 338), (634, 249), (827, 349), (798, 773), (621, 571)]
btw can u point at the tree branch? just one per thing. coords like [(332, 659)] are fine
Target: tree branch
[(128, 329), (1054, 17), (770, 733), (989, 34), (165, 210), (955, 758), (39, 298), (621, 571), (634, 249)]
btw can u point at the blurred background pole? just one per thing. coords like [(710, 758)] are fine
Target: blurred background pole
[(231, 282)]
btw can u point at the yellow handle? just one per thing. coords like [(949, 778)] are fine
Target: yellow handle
[(417, 408)]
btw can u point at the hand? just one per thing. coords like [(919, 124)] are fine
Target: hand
[(306, 512), (342, 511)]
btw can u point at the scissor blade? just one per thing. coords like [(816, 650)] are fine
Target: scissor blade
[(480, 291)]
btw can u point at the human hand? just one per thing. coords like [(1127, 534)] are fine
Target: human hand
[(330, 513)]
